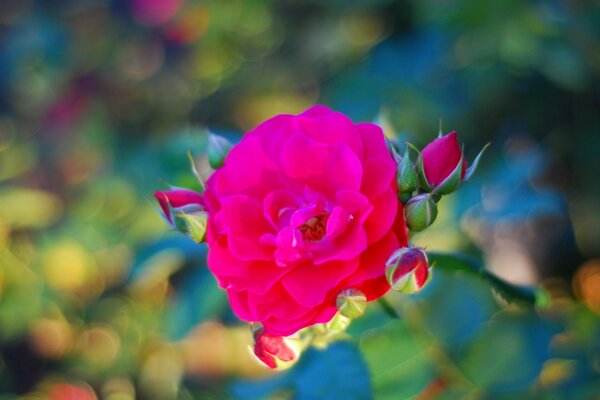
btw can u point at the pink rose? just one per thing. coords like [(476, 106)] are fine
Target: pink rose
[(304, 207), (440, 159)]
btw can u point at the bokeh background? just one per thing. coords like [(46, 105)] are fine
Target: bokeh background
[(101, 100)]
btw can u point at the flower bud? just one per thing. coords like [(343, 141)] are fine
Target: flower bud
[(183, 209), (407, 270), (406, 176), (420, 212), (170, 200), (276, 352), (441, 165), (218, 148), (351, 303)]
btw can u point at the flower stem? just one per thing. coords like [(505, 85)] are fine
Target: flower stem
[(509, 292), (387, 308)]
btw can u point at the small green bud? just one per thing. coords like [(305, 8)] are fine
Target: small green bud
[(420, 212), (351, 303), (406, 176)]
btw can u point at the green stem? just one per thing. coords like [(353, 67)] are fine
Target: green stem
[(511, 293), (387, 307)]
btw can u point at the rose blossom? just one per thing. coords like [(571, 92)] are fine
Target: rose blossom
[(304, 207)]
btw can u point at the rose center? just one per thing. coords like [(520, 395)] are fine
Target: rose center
[(314, 229)]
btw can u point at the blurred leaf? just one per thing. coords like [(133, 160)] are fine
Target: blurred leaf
[(509, 352), (453, 306), (510, 293), (398, 361)]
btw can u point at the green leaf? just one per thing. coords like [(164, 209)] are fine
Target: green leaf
[(452, 307), (508, 353), (399, 362)]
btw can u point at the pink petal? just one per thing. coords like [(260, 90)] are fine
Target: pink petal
[(337, 222), (331, 128), (303, 158), (373, 140), (279, 205), (247, 170), (242, 217), (382, 216), (378, 174), (309, 284)]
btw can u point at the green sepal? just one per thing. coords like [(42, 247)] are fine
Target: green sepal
[(218, 148), (452, 181), (473, 167), (196, 172), (351, 303), (406, 176), (425, 185)]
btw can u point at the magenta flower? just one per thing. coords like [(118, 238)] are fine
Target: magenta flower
[(304, 207)]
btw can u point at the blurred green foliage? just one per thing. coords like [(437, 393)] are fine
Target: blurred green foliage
[(100, 101)]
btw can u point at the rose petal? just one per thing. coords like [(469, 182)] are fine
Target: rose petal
[(309, 284), (242, 217)]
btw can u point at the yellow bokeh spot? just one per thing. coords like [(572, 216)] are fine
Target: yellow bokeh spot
[(28, 208), (99, 345), (68, 266)]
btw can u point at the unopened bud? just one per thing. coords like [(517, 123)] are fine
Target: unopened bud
[(218, 148), (351, 303), (406, 176), (276, 352), (420, 212), (407, 270)]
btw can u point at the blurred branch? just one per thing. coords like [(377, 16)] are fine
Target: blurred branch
[(533, 296)]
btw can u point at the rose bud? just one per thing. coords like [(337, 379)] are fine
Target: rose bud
[(407, 270), (441, 165), (183, 209), (218, 148), (351, 303), (420, 212), (276, 352), (406, 177)]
